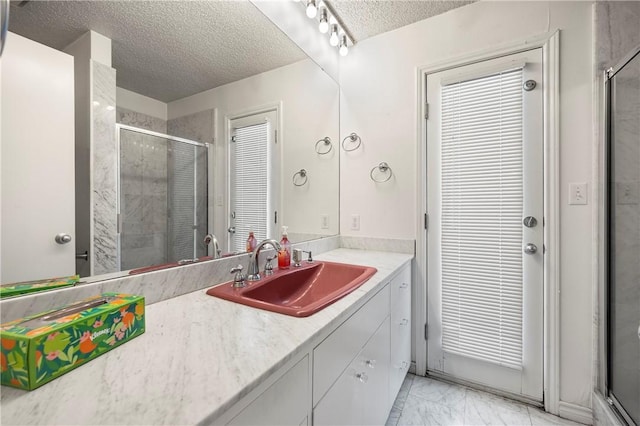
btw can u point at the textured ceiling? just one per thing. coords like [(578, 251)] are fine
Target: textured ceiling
[(366, 18), (165, 49), (168, 50)]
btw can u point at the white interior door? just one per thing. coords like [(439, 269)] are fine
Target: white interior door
[(485, 259), (38, 193), (254, 177)]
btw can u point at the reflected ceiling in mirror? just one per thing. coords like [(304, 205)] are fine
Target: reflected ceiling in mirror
[(178, 72), (165, 50)]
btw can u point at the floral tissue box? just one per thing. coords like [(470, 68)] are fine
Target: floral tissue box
[(39, 348)]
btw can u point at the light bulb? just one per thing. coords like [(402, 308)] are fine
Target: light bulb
[(344, 50), (312, 10), (334, 39), (324, 24)]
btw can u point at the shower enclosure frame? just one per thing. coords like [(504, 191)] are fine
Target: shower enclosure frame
[(607, 230), (119, 128)]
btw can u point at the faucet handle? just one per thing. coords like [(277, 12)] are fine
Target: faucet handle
[(268, 267), (239, 280)]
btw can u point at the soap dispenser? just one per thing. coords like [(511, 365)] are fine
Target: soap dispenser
[(251, 242), (284, 255)]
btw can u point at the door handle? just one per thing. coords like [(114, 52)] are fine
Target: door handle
[(63, 238), (530, 248)]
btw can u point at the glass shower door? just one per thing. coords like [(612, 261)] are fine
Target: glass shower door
[(163, 198), (624, 240)]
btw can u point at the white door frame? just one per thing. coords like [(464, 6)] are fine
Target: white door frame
[(549, 42), (246, 112)]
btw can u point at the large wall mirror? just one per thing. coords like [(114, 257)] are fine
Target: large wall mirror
[(187, 119)]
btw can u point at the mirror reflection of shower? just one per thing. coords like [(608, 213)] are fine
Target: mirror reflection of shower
[(162, 197)]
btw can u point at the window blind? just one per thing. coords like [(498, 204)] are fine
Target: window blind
[(482, 201), (250, 183)]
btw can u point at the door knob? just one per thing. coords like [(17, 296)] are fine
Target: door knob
[(530, 248), (63, 238), (232, 229)]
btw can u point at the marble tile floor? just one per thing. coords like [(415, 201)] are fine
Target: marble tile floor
[(425, 401)]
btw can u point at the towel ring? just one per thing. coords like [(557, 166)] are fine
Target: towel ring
[(353, 138), (384, 168), (303, 174), (327, 142)]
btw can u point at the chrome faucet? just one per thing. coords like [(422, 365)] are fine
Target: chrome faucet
[(208, 239), (253, 271)]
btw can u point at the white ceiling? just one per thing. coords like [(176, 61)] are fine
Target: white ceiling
[(168, 50), (165, 49), (367, 18)]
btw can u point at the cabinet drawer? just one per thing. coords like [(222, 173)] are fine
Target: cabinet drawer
[(333, 355), (360, 394), (283, 403)]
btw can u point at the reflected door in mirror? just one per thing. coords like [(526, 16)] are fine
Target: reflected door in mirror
[(38, 197)]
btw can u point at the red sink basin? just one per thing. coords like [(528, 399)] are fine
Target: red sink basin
[(299, 291)]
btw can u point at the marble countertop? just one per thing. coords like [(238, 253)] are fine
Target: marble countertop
[(198, 357)]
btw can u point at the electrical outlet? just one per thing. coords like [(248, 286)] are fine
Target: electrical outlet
[(355, 222), (324, 221), (578, 193)]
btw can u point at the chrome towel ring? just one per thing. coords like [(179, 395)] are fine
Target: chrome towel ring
[(353, 138), (325, 142), (384, 170), (303, 175)]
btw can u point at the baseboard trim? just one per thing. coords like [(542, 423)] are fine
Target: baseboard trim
[(576, 413)]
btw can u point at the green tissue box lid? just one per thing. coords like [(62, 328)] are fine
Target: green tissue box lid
[(14, 289)]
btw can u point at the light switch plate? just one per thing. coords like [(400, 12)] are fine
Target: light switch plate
[(578, 193)]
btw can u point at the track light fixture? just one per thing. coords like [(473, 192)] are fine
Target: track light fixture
[(329, 23)]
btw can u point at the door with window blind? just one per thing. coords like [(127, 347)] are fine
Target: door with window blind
[(485, 236), (254, 178)]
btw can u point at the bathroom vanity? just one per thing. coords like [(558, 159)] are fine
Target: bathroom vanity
[(210, 361)]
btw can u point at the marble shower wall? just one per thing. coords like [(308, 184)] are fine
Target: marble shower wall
[(138, 119), (143, 162), (104, 171), (143, 198)]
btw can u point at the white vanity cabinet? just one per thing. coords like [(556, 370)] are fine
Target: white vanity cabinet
[(400, 290), (350, 375), (359, 368)]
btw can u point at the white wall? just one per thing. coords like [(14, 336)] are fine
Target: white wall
[(310, 109), (379, 101)]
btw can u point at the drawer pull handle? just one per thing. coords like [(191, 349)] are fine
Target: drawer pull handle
[(362, 377), (404, 285), (404, 321), (371, 363)]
